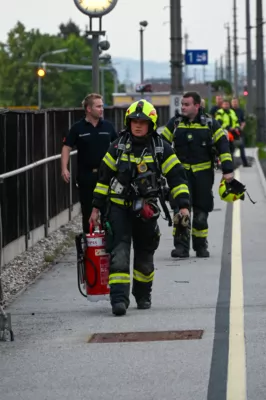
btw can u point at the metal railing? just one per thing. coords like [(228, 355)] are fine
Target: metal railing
[(32, 191)]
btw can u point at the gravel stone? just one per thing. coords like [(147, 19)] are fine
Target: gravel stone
[(26, 267)]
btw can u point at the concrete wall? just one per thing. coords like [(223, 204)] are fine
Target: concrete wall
[(18, 246)]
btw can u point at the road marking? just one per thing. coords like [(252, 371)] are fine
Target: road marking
[(236, 379)]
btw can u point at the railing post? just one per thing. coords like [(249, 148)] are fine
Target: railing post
[(70, 208), (1, 237), (27, 230), (18, 177), (46, 179)]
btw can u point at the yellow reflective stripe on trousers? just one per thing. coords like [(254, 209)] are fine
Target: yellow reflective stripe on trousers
[(102, 189), (217, 135), (167, 134), (200, 233), (186, 166), (139, 276), (110, 161), (119, 277), (198, 167), (225, 157), (169, 164), (178, 190)]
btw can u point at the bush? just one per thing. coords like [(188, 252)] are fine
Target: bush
[(250, 130)]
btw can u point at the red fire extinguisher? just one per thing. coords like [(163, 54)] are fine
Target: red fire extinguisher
[(93, 270)]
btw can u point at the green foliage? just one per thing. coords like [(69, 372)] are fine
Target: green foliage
[(250, 130), (60, 88), (261, 151), (224, 85)]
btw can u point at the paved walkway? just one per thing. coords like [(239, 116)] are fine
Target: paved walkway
[(224, 296)]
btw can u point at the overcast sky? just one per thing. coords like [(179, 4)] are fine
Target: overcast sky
[(203, 20)]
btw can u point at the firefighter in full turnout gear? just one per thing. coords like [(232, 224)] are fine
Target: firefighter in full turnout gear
[(196, 137), (228, 120), (131, 178)]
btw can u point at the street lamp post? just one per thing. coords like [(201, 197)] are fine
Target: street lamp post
[(39, 77), (96, 9), (143, 25)]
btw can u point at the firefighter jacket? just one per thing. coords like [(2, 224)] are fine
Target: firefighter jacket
[(121, 163), (196, 143), (227, 118)]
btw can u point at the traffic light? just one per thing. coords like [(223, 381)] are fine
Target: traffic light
[(245, 91), (41, 72)]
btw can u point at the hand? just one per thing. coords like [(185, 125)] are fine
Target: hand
[(184, 211), (228, 177), (95, 217), (65, 175)]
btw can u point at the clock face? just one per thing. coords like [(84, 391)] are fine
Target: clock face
[(95, 8)]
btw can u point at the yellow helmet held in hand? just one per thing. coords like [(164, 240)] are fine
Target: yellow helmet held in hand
[(231, 191), (142, 109)]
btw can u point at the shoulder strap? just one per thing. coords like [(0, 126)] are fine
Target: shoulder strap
[(121, 146), (158, 151), (209, 122)]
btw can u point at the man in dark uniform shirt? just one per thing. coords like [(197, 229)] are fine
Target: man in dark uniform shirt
[(214, 109), (91, 136)]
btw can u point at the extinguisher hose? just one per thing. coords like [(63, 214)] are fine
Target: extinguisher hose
[(80, 276), (91, 285)]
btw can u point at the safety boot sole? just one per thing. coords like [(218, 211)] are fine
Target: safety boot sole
[(119, 309)]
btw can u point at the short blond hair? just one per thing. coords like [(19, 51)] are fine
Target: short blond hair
[(89, 99), (202, 103)]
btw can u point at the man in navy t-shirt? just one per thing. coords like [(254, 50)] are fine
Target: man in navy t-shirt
[(91, 136)]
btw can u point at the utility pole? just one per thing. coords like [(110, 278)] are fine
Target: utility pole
[(228, 56), (260, 76), (216, 71), (186, 67), (222, 67), (176, 56), (235, 52), (249, 62)]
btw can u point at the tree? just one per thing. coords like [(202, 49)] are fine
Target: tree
[(70, 28), (222, 84), (60, 88)]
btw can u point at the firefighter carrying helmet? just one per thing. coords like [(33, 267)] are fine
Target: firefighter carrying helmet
[(142, 109), (231, 191)]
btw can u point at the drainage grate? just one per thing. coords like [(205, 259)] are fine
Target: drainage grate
[(145, 336)]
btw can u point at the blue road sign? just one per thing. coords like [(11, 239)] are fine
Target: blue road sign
[(196, 57)]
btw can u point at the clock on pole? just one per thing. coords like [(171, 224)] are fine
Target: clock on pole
[(96, 9)]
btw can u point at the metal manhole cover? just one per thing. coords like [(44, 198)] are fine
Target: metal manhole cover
[(145, 336)]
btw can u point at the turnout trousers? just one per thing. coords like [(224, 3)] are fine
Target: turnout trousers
[(125, 228), (200, 187)]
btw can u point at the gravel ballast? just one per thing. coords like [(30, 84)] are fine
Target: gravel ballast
[(25, 268)]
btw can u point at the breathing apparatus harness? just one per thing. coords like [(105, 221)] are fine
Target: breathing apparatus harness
[(145, 186)]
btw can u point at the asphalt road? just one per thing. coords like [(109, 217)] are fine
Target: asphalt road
[(224, 296)]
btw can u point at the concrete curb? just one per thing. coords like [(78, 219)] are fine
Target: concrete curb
[(259, 168)]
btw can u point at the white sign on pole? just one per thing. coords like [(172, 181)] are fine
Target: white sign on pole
[(175, 103)]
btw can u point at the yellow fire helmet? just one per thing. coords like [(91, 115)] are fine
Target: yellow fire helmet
[(231, 191), (142, 109)]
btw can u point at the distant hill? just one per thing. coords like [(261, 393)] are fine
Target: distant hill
[(129, 70)]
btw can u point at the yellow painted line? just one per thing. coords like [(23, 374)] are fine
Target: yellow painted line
[(236, 379)]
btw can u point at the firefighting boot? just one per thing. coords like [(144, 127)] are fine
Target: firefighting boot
[(119, 309), (180, 252), (144, 303), (202, 252)]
